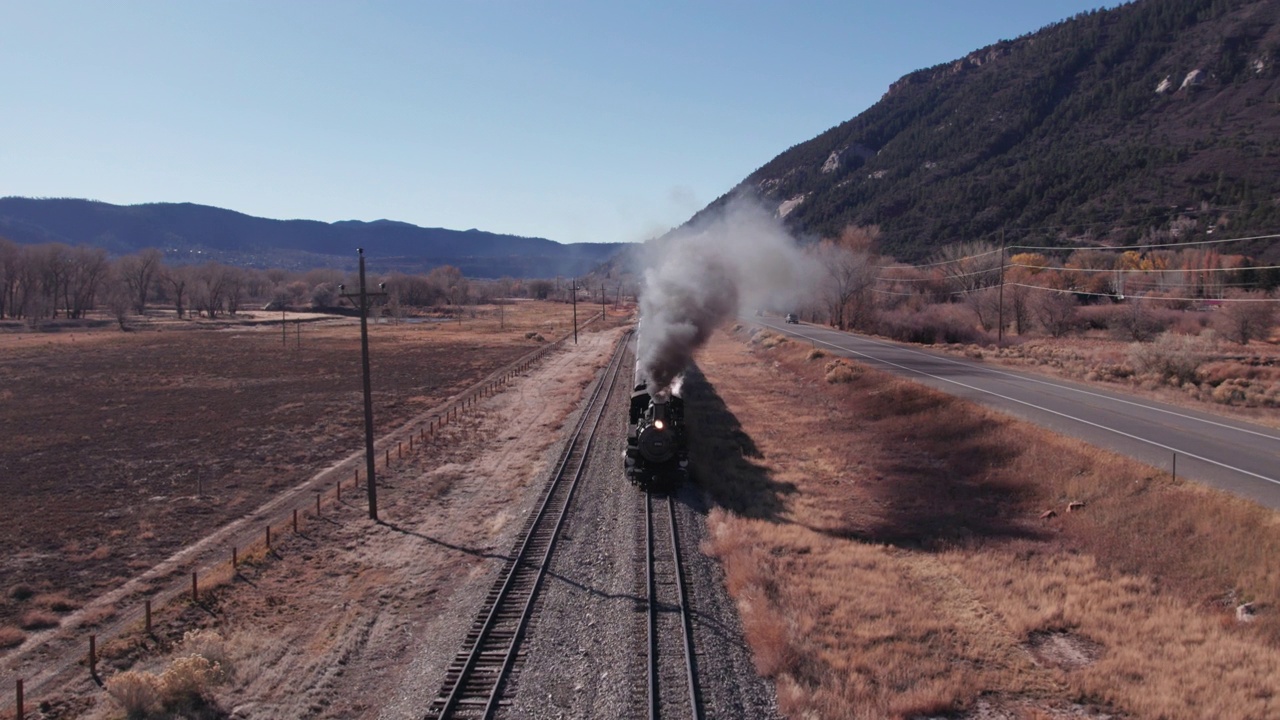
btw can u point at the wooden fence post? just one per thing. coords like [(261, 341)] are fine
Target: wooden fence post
[(268, 537), (195, 588), (147, 605), (317, 504), (295, 520), (21, 710), (93, 655)]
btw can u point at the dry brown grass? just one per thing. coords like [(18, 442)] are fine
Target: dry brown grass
[(55, 602), (11, 637), (884, 545), (38, 620)]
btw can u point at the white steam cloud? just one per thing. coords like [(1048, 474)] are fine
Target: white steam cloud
[(701, 276)]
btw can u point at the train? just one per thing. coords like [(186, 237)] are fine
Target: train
[(657, 454)]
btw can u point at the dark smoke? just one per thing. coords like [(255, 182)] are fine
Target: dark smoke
[(699, 277)]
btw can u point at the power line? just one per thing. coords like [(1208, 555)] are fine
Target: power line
[(1144, 297), (1151, 247), (1143, 270)]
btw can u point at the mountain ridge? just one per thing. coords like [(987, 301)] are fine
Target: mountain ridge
[(1111, 127), (191, 232)]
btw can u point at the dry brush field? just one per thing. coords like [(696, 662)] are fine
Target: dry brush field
[(887, 552), (121, 448)]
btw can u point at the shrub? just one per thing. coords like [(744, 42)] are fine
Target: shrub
[(21, 591), (1248, 316), (11, 637), (815, 354), (39, 620), (187, 681), (932, 324), (1139, 319), (841, 371), (209, 645), (57, 602), (137, 692), (1232, 392), (1171, 356)]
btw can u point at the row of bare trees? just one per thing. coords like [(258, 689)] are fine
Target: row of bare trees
[(54, 280), (1029, 292)]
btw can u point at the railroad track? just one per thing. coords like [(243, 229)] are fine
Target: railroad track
[(673, 685), (479, 675)]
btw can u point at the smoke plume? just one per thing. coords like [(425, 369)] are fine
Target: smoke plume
[(700, 276)]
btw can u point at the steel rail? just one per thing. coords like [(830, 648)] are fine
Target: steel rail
[(686, 627), (461, 678), (686, 621)]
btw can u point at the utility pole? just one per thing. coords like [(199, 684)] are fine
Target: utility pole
[(1000, 332), (573, 291), (365, 297), (602, 300)]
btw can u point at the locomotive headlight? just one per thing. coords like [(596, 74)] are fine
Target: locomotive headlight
[(658, 424)]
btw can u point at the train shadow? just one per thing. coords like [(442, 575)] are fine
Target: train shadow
[(724, 458), (939, 487), (950, 493)]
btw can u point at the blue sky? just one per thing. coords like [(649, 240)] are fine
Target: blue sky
[(575, 121)]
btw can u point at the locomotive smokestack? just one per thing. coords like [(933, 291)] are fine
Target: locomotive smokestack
[(699, 276)]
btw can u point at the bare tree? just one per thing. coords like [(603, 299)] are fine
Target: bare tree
[(450, 282), (11, 257), (208, 290), (177, 279), (1056, 312), (969, 266), (235, 284), (1247, 315), (53, 264), (851, 268), (87, 269), (138, 272), (120, 297)]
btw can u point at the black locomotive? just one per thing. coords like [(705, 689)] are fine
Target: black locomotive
[(657, 454)]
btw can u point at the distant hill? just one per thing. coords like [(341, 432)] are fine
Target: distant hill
[(1157, 119), (195, 233)]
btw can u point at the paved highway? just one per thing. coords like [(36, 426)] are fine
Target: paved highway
[(1236, 456)]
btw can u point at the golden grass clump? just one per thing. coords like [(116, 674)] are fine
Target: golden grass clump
[(97, 614), (39, 620), (185, 685), (137, 692), (55, 602), (11, 637), (841, 371)]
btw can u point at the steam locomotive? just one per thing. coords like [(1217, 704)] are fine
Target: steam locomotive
[(657, 454)]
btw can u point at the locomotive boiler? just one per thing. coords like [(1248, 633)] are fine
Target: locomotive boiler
[(657, 453)]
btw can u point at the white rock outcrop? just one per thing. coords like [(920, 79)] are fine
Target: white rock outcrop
[(788, 205)]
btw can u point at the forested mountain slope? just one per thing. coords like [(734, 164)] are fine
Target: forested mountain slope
[(1156, 120)]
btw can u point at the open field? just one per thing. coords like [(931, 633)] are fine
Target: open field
[(886, 548), (120, 448)]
